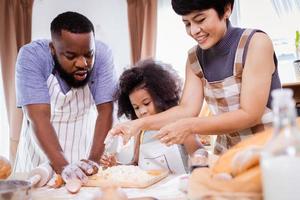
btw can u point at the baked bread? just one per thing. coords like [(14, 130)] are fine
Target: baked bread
[(245, 159), (248, 182), (229, 161), (5, 168)]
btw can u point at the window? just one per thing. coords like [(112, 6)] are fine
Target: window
[(173, 42), (275, 18)]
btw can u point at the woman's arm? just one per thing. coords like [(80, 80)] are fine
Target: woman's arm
[(255, 88)]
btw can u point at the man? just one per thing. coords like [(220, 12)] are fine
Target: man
[(58, 84)]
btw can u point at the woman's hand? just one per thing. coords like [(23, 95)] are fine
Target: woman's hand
[(174, 133), (108, 161), (126, 129)]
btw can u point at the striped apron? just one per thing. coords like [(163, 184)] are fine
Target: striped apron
[(73, 118), (224, 96)]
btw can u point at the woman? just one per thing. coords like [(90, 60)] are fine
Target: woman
[(234, 69)]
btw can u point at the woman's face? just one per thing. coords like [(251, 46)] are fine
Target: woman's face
[(142, 103), (206, 27), (74, 56)]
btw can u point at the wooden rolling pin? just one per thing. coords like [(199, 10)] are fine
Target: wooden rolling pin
[(40, 176)]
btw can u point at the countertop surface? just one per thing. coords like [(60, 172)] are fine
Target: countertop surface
[(166, 189), (288, 73)]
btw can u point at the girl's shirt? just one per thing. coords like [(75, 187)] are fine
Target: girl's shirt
[(155, 155)]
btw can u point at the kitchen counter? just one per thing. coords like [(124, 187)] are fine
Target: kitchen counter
[(290, 78), (166, 189)]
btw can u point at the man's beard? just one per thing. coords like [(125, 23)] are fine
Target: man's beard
[(69, 77)]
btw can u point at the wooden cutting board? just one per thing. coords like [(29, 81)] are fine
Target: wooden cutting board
[(98, 180)]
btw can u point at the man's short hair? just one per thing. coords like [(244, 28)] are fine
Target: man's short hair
[(72, 22)]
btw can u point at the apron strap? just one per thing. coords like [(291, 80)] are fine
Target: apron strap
[(193, 62), (238, 60), (142, 137)]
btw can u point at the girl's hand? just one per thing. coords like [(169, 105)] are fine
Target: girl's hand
[(126, 129), (108, 161), (174, 133)]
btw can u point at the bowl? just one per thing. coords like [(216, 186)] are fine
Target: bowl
[(15, 190)]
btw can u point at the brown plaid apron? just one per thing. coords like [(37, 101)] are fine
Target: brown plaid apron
[(224, 96)]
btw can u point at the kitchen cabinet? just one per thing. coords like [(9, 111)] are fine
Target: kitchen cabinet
[(290, 78)]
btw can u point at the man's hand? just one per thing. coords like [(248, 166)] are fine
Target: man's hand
[(80, 170), (75, 175), (88, 167), (73, 171)]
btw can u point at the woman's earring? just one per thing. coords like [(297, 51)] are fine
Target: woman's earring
[(226, 17)]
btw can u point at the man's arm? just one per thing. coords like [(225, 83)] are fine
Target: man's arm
[(39, 117), (103, 125)]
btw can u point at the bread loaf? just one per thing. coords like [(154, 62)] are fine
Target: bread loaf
[(249, 181), (5, 168), (225, 162), (241, 162)]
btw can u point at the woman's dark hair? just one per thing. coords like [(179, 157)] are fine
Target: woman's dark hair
[(71, 21), (160, 80), (184, 7)]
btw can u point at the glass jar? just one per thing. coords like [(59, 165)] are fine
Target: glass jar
[(198, 159), (280, 160)]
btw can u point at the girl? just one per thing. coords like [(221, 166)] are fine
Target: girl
[(144, 90)]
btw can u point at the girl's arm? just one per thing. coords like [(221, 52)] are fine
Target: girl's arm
[(137, 144)]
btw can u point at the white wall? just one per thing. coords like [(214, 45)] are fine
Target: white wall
[(108, 16), (173, 42)]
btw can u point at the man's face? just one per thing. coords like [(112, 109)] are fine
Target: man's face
[(74, 55)]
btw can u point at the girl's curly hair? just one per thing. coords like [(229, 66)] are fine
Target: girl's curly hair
[(159, 79)]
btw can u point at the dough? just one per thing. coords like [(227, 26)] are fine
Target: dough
[(125, 176)]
